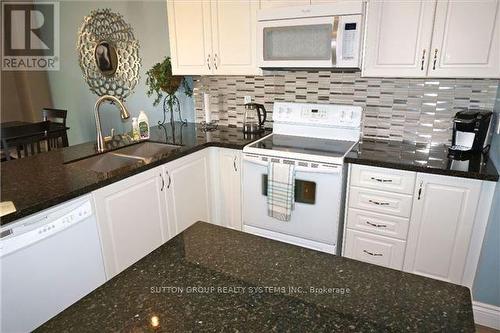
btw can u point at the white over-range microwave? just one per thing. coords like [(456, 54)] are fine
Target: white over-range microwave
[(324, 36)]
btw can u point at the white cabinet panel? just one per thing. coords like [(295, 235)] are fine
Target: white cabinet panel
[(190, 36), (383, 179), (187, 181), (380, 201), (441, 225), (398, 37), (466, 39), (131, 216), (374, 249), (381, 224), (234, 27), (282, 3), (230, 188)]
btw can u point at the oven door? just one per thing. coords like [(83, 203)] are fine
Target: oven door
[(315, 216)]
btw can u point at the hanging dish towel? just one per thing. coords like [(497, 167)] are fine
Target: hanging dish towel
[(280, 190)]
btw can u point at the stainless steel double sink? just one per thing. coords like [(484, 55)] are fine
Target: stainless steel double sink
[(133, 155)]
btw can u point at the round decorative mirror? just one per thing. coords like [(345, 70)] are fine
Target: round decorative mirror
[(108, 54)]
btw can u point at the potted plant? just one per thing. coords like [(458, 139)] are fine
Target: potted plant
[(164, 85)]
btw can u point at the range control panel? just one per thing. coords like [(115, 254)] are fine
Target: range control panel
[(317, 114)]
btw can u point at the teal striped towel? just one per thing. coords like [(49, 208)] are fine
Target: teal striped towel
[(280, 190)]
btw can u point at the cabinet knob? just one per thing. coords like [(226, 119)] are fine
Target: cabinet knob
[(162, 182), (376, 225), (234, 164), (215, 61), (373, 254), (435, 59), (378, 203), (420, 190), (208, 62), (380, 180), (423, 60), (169, 179)]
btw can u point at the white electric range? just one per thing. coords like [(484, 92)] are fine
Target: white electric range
[(315, 138)]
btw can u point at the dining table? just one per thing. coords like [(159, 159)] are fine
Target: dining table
[(52, 128)]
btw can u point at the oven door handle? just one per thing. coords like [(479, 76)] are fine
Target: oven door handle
[(322, 167)]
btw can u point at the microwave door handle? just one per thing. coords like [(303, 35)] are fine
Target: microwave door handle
[(334, 43)]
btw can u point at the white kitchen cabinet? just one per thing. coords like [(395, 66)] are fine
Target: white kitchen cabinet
[(378, 250), (429, 38), (283, 3), (234, 37), (441, 226), (230, 188), (213, 37), (131, 216), (187, 182), (466, 39), (398, 37), (190, 36)]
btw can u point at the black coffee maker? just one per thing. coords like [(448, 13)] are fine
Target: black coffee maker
[(472, 131)]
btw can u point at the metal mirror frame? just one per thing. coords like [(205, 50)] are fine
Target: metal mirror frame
[(101, 27)]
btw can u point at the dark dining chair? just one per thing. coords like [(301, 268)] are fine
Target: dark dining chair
[(56, 116), (23, 141)]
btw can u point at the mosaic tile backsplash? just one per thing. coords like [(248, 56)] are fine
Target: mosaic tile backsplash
[(416, 110)]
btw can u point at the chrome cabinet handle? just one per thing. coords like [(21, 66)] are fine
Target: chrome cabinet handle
[(234, 164), (208, 62), (420, 190), (169, 179), (423, 60), (435, 59), (333, 43), (380, 180), (376, 225), (378, 203), (373, 254), (162, 182), (215, 61)]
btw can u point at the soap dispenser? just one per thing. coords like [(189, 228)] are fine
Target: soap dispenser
[(143, 126)]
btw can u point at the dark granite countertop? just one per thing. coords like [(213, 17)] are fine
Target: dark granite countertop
[(420, 158), (245, 283), (44, 180)]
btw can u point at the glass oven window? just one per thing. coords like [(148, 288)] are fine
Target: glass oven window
[(305, 191), (305, 42)]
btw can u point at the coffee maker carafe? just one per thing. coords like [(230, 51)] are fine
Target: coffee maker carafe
[(471, 134), (254, 118)]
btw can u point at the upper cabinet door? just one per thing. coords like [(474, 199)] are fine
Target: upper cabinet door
[(466, 39), (189, 25), (282, 3), (398, 37), (234, 27)]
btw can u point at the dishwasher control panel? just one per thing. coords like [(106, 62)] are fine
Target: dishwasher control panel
[(33, 231)]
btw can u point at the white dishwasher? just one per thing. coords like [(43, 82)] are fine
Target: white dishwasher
[(48, 261)]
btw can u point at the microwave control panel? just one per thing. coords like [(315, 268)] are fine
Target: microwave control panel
[(349, 41)]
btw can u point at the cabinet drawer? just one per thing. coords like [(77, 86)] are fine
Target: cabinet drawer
[(383, 179), (375, 249), (380, 201), (385, 225)]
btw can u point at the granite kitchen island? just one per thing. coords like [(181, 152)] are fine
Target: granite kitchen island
[(214, 279)]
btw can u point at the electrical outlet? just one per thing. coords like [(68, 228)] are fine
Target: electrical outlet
[(247, 99)]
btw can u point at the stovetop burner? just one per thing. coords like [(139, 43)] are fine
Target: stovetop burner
[(304, 145)]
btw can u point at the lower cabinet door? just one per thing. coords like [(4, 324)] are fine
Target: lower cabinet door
[(374, 249), (131, 215), (230, 188), (441, 226), (187, 181)]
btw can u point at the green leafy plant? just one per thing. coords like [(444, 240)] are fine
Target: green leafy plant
[(160, 80)]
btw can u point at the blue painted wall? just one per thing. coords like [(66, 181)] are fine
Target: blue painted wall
[(69, 90), (487, 283)]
